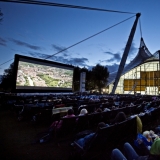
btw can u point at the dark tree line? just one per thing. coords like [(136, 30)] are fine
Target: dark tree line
[(95, 78)]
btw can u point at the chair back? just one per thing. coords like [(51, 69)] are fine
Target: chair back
[(68, 125), (94, 119), (103, 139), (82, 123)]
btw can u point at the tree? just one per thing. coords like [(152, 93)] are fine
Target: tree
[(90, 85), (76, 78), (100, 75), (8, 78)]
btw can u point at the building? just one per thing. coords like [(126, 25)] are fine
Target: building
[(140, 76)]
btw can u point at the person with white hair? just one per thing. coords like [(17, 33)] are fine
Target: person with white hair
[(148, 141), (83, 112)]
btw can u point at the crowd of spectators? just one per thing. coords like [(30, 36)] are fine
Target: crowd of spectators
[(86, 105)]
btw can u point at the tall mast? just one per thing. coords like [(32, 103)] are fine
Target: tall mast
[(125, 53)]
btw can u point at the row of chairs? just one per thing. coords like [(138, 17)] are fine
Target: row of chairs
[(77, 124), (107, 138), (150, 118), (93, 118), (45, 115)]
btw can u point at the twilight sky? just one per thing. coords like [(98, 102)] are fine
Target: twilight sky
[(41, 31)]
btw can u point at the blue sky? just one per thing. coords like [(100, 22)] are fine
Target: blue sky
[(40, 31)]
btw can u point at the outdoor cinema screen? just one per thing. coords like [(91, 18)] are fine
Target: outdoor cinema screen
[(38, 74)]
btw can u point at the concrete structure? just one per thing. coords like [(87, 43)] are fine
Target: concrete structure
[(82, 82)]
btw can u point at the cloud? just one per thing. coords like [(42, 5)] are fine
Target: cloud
[(39, 55), (61, 59), (3, 42), (71, 61), (61, 48), (115, 57), (113, 67), (78, 61), (132, 52), (58, 48), (21, 43)]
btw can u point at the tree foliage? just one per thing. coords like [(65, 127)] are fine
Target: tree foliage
[(8, 78), (100, 75)]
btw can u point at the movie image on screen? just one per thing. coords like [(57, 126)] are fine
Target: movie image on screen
[(40, 75)]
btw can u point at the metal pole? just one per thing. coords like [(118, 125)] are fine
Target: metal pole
[(125, 54), (159, 72)]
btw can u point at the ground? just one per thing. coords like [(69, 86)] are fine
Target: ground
[(16, 141)]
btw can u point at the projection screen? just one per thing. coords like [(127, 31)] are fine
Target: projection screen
[(41, 75)]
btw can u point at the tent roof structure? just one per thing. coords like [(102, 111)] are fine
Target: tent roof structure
[(142, 55)]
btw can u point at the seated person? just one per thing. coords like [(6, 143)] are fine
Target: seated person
[(70, 113), (114, 107), (148, 137), (131, 104), (58, 124), (83, 112), (144, 138), (120, 117), (155, 148), (106, 110), (139, 123), (84, 140), (98, 110), (130, 153)]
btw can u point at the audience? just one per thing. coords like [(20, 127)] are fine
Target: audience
[(58, 124), (131, 154), (83, 141)]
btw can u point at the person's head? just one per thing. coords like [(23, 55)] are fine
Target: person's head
[(70, 111), (101, 125), (113, 107), (146, 134), (99, 110), (83, 111), (120, 117)]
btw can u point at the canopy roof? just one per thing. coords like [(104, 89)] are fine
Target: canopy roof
[(142, 55)]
